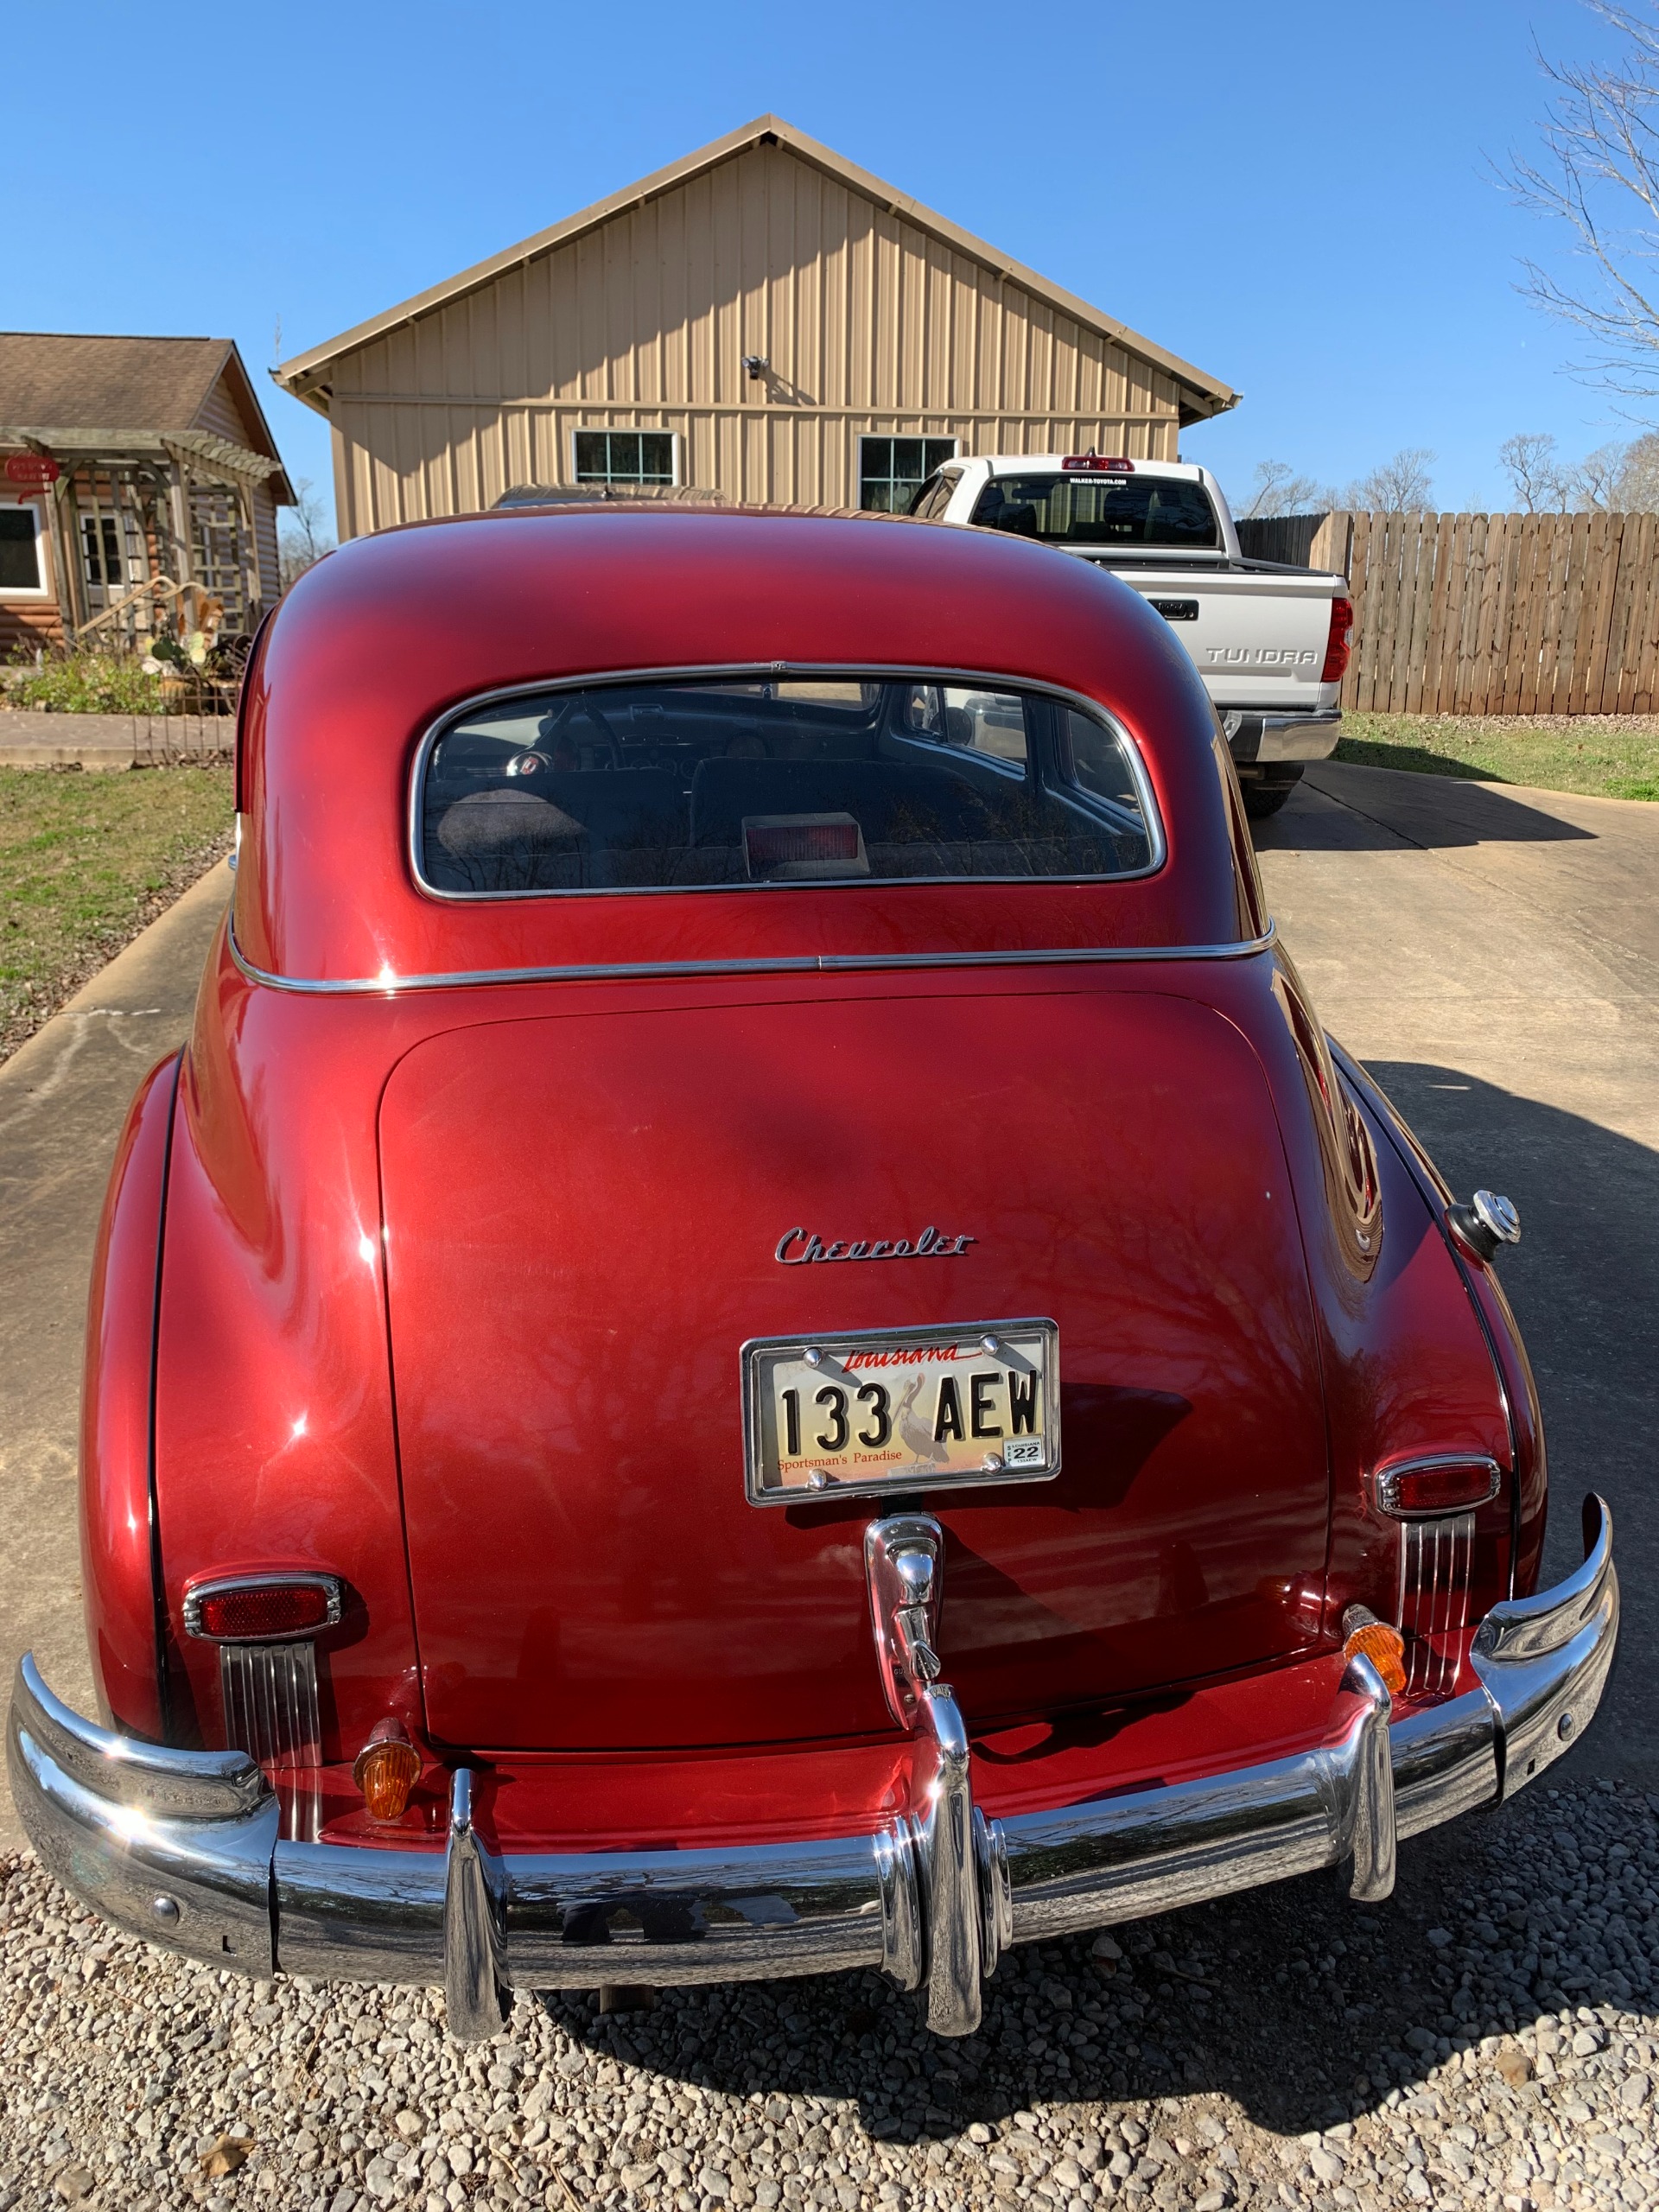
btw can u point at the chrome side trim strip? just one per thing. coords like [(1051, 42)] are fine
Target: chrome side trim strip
[(659, 971)]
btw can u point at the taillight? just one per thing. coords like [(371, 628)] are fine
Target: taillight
[(1097, 464), (1417, 1489), (1338, 643), (262, 1608)]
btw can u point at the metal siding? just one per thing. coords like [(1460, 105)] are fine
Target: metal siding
[(870, 325)]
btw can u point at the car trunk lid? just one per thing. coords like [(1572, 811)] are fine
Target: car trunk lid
[(583, 1219)]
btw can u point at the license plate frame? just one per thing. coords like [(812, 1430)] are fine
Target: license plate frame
[(1028, 1346)]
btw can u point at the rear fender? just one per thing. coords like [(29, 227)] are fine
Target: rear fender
[(273, 1423), (1526, 1496), (119, 1537), (1408, 1369)]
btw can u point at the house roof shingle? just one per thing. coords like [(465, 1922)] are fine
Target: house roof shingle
[(52, 380)]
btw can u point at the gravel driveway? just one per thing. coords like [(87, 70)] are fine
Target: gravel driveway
[(1489, 2037)]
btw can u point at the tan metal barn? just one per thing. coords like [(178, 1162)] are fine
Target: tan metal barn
[(762, 319)]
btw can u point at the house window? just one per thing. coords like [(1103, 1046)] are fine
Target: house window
[(624, 456), (100, 545), (21, 572), (891, 470)]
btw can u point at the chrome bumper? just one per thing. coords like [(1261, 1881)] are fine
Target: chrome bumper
[(1265, 738), (182, 1848)]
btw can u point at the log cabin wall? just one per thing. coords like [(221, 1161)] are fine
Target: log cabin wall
[(30, 617)]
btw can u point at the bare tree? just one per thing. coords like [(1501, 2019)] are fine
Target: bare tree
[(1540, 485), (1597, 480), (303, 539), (1636, 487), (1401, 486), (1280, 491), (1599, 175)]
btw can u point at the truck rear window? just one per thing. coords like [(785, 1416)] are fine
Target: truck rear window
[(1099, 509), (674, 786)]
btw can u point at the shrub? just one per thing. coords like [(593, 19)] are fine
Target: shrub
[(67, 682)]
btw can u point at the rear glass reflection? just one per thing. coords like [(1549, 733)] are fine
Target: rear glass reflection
[(721, 782)]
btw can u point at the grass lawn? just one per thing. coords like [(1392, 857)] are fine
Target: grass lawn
[(1606, 756), (87, 858)]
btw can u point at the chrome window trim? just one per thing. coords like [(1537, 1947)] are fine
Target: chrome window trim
[(304, 1578), (759, 671), (659, 971)]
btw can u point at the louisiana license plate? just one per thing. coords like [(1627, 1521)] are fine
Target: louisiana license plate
[(899, 1409)]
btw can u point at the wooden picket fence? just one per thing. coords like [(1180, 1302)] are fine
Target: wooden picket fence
[(1489, 614)]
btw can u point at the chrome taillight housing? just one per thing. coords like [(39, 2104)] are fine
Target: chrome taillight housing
[(1415, 1490), (1434, 1499), (265, 1626)]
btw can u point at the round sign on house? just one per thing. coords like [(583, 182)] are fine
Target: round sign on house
[(35, 469)]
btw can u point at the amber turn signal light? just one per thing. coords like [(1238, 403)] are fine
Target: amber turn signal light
[(386, 1770), (1364, 1634)]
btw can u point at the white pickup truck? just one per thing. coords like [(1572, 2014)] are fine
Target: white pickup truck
[(1270, 642)]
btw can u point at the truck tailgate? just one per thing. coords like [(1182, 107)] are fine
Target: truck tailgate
[(1258, 639)]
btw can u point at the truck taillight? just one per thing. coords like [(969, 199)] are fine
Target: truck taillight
[(1339, 643)]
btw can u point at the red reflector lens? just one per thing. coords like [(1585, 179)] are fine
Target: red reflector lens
[(1338, 645), (1449, 1486), (263, 1609), (1099, 464)]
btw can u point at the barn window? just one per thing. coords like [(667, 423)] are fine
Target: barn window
[(21, 571), (624, 456), (891, 470)]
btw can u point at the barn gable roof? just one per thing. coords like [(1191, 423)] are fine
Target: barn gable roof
[(306, 375)]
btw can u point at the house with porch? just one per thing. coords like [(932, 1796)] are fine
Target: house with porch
[(139, 483)]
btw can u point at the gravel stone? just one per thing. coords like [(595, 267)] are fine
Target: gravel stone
[(1282, 2049)]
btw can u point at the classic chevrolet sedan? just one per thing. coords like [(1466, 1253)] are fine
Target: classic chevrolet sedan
[(758, 1332)]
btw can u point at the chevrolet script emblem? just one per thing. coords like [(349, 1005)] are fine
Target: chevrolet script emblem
[(930, 1245)]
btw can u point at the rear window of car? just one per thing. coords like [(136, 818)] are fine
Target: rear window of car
[(1099, 509), (725, 782)]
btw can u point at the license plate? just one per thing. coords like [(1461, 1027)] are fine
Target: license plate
[(901, 1409)]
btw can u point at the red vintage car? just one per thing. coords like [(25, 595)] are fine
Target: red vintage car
[(758, 1333)]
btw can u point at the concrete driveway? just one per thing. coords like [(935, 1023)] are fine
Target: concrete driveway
[(1492, 955), (63, 1098)]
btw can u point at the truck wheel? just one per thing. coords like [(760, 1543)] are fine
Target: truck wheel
[(1262, 799)]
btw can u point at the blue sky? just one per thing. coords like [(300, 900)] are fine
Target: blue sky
[(1293, 195)]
